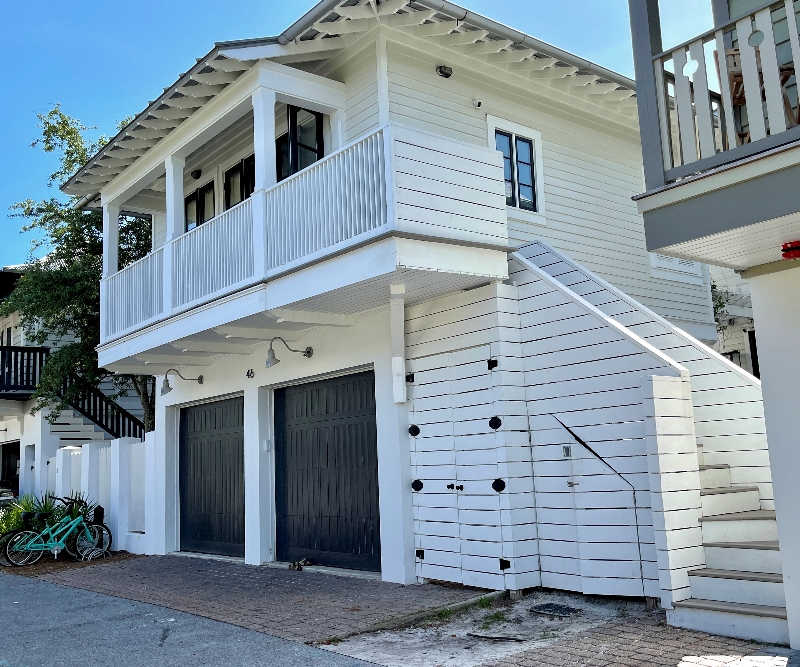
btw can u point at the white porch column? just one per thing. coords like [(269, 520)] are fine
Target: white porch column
[(110, 240), (264, 138), (176, 220), (394, 477), (263, 101), (176, 224), (776, 310), (45, 448), (257, 477), (166, 535)]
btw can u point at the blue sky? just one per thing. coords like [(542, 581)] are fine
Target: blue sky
[(104, 60)]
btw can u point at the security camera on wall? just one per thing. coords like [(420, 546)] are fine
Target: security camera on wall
[(477, 103)]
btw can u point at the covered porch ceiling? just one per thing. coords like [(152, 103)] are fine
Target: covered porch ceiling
[(202, 346), (327, 29)]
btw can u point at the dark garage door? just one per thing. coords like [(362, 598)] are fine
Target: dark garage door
[(211, 478), (326, 473)]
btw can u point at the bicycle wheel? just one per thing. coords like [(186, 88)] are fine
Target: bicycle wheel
[(3, 539), (103, 537), (16, 551), (85, 542)]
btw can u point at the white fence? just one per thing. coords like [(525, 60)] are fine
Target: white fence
[(394, 179), (710, 90)]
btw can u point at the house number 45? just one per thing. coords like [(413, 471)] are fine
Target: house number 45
[(250, 373)]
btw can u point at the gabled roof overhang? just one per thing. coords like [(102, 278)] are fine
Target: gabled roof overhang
[(327, 29)]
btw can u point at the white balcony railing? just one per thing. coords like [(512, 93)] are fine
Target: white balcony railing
[(730, 87), (395, 179), (134, 296), (334, 200), (214, 257)]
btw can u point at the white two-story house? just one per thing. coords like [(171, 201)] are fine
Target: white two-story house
[(406, 320)]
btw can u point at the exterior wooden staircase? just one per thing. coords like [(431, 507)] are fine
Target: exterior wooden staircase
[(740, 591)]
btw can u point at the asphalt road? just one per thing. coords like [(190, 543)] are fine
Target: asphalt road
[(47, 625)]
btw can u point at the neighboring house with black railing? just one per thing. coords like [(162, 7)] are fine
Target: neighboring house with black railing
[(29, 442)]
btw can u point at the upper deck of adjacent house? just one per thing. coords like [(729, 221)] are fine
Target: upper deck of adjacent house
[(717, 111)]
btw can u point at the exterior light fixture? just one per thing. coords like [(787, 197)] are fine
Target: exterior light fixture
[(165, 387), (272, 359), (444, 71), (196, 173)]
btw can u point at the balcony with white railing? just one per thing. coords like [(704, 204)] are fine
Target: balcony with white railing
[(730, 92), (394, 181)]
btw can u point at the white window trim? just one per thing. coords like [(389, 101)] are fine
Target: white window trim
[(668, 270), (513, 213)]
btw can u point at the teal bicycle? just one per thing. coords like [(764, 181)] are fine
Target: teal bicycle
[(72, 533)]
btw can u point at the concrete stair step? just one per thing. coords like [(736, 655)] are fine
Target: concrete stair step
[(757, 588), (715, 477), (752, 526), (729, 500), (744, 556), (732, 619)]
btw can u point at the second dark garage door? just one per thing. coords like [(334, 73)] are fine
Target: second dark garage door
[(326, 473)]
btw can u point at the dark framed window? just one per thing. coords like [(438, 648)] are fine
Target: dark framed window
[(199, 206), (518, 169), (240, 181), (302, 145)]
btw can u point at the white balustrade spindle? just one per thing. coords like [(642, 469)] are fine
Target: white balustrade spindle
[(213, 257), (336, 199), (135, 294)]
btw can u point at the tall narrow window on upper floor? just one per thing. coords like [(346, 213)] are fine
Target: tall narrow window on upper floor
[(199, 206), (302, 145), (240, 181), (518, 169)]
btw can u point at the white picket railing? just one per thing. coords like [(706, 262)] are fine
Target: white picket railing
[(336, 199), (213, 257), (729, 87), (135, 295)]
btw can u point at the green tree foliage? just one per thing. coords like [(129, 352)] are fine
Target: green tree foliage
[(58, 295)]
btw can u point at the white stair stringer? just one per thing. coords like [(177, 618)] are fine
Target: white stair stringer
[(740, 591)]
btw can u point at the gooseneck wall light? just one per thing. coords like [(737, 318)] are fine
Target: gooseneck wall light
[(165, 388), (272, 359)]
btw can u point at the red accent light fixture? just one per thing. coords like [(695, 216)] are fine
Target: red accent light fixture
[(791, 250)]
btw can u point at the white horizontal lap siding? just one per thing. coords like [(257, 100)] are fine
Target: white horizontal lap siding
[(587, 372), (448, 188), (591, 169), (454, 395), (418, 98), (728, 408), (359, 71)]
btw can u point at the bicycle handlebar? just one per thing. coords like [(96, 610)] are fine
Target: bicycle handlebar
[(69, 501)]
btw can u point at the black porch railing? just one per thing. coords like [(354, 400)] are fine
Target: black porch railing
[(20, 368), (101, 410)]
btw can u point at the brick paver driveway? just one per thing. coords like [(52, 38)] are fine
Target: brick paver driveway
[(304, 606), (648, 641)]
